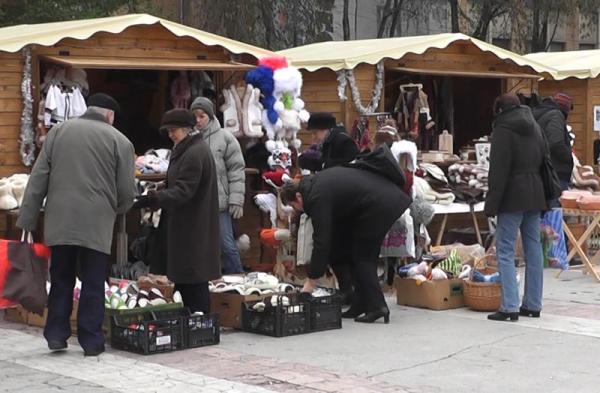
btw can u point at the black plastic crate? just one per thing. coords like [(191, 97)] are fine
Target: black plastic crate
[(198, 330), (326, 313), (141, 333), (279, 320)]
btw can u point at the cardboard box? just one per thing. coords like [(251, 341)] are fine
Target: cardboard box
[(15, 314), (435, 294), (229, 307), (40, 320)]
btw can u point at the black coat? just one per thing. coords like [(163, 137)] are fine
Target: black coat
[(554, 124), (337, 149), (358, 203), (516, 155), (190, 219)]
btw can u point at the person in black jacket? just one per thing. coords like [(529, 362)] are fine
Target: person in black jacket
[(552, 115), (516, 196), (332, 144), (352, 208)]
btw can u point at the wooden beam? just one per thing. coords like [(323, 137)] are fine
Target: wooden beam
[(472, 74)]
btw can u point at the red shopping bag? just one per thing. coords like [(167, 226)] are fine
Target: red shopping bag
[(23, 274)]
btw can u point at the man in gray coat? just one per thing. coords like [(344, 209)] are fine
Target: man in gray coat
[(231, 178), (85, 171)]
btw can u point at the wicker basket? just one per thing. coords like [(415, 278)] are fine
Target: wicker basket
[(483, 296)]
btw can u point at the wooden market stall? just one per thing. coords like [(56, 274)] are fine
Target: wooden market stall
[(135, 58), (461, 75), (578, 75), (476, 71)]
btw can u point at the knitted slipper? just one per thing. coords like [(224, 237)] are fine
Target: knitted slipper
[(230, 115), (254, 111)]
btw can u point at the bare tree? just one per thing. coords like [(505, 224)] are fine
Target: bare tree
[(454, 13), (346, 21), (518, 31)]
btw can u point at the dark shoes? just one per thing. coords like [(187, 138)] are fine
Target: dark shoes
[(57, 345), (528, 313), (353, 312), (372, 316), (503, 316), (93, 352)]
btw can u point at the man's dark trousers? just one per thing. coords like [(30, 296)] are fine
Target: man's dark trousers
[(90, 314)]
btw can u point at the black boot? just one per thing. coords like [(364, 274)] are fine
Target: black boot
[(372, 316), (57, 345), (528, 313), (503, 316), (353, 312)]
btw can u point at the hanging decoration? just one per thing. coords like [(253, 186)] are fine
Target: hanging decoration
[(346, 76), (27, 137)]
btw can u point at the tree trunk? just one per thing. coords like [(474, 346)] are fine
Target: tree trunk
[(355, 19), (384, 16), (346, 21), (454, 15), (395, 16), (518, 27)]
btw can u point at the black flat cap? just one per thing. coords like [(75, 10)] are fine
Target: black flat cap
[(177, 118), (103, 100), (321, 121)]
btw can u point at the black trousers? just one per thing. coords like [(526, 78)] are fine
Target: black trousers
[(195, 296), (354, 261), (90, 314)]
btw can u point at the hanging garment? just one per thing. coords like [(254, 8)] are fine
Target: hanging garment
[(360, 134), (180, 91)]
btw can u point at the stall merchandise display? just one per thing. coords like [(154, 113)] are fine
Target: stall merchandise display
[(255, 283), (128, 295), (12, 190), (153, 161)]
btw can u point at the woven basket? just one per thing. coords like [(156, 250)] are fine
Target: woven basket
[(483, 296)]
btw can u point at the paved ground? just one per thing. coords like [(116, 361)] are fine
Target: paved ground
[(420, 351)]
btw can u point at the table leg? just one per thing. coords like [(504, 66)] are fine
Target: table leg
[(476, 225), (440, 235), (577, 247)]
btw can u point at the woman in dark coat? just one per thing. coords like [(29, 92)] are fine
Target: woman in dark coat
[(516, 197), (352, 208), (190, 211)]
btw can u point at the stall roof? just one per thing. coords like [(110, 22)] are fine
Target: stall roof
[(14, 38), (337, 55), (581, 64)]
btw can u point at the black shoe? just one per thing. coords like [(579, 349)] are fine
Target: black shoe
[(57, 345), (503, 316), (372, 316), (353, 312), (93, 352), (528, 313)]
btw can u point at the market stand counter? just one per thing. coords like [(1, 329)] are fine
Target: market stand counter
[(590, 265)]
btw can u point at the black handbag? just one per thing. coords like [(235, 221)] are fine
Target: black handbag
[(552, 189)]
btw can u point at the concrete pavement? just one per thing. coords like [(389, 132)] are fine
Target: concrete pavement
[(419, 351)]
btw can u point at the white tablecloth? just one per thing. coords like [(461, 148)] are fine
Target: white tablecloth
[(456, 208)]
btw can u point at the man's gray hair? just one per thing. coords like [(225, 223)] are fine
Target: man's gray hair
[(101, 111)]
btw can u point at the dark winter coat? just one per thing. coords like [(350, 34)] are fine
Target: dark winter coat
[(86, 172), (516, 155), (190, 206), (337, 149), (359, 203), (554, 124)]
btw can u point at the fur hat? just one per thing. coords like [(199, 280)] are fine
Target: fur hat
[(177, 118), (205, 105), (321, 121), (564, 101), (102, 100)]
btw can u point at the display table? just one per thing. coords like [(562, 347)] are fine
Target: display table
[(588, 264), (458, 208)]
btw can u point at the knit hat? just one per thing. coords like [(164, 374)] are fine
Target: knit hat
[(102, 100), (564, 101), (205, 104), (321, 121), (177, 118)]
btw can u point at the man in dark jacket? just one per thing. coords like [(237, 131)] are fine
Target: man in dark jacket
[(332, 145), (352, 208), (85, 171), (552, 115), (516, 196)]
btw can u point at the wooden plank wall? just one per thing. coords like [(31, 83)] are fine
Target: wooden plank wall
[(581, 117), (11, 106), (320, 94), (593, 98)]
